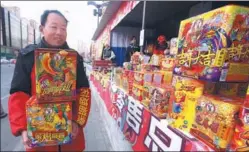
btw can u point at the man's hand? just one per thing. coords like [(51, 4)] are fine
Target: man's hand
[(75, 129), (25, 139)]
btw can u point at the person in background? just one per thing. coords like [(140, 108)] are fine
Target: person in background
[(108, 54), (54, 30), (132, 48)]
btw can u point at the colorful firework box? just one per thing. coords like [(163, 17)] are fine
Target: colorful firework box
[(49, 124), (240, 141), (156, 60), (191, 143), (55, 72), (215, 45), (139, 78), (233, 89), (101, 63), (215, 120), (161, 101), (168, 64), (127, 81), (137, 92), (187, 91), (173, 46)]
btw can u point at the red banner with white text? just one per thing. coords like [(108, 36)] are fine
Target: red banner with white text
[(141, 128)]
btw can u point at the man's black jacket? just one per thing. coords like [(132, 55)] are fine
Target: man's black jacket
[(25, 61)]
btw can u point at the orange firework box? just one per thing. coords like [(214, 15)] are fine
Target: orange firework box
[(49, 124), (55, 72), (215, 120)]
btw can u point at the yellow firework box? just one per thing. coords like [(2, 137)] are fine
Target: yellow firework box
[(187, 91), (215, 45), (215, 120)]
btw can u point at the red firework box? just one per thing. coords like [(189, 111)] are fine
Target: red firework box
[(215, 46), (215, 120), (101, 63), (55, 72), (240, 139), (49, 123)]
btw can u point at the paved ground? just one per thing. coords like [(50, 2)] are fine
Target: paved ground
[(8, 141), (95, 135)]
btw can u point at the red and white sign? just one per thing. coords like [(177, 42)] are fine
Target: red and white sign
[(141, 128)]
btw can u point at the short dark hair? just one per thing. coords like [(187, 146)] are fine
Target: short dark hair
[(45, 14)]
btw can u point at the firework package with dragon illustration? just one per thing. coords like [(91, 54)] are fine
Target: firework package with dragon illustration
[(49, 112), (55, 75), (49, 124)]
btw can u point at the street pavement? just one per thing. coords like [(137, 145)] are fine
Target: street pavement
[(8, 141), (96, 137)]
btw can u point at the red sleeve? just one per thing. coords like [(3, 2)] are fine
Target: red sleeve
[(17, 112), (81, 107)]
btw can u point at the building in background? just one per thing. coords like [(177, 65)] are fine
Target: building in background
[(24, 32), (14, 10), (16, 32), (84, 50)]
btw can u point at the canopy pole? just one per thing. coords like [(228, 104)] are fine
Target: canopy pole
[(143, 22)]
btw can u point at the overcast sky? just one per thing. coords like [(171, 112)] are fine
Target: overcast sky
[(82, 23)]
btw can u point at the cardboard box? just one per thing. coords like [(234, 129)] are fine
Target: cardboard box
[(139, 78), (187, 91), (215, 120), (161, 101), (214, 45), (137, 92), (56, 74), (173, 46), (240, 138), (168, 64), (233, 89), (49, 124)]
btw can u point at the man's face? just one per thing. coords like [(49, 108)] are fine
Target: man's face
[(55, 30)]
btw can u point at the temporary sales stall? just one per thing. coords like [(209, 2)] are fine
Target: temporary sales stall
[(146, 20)]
